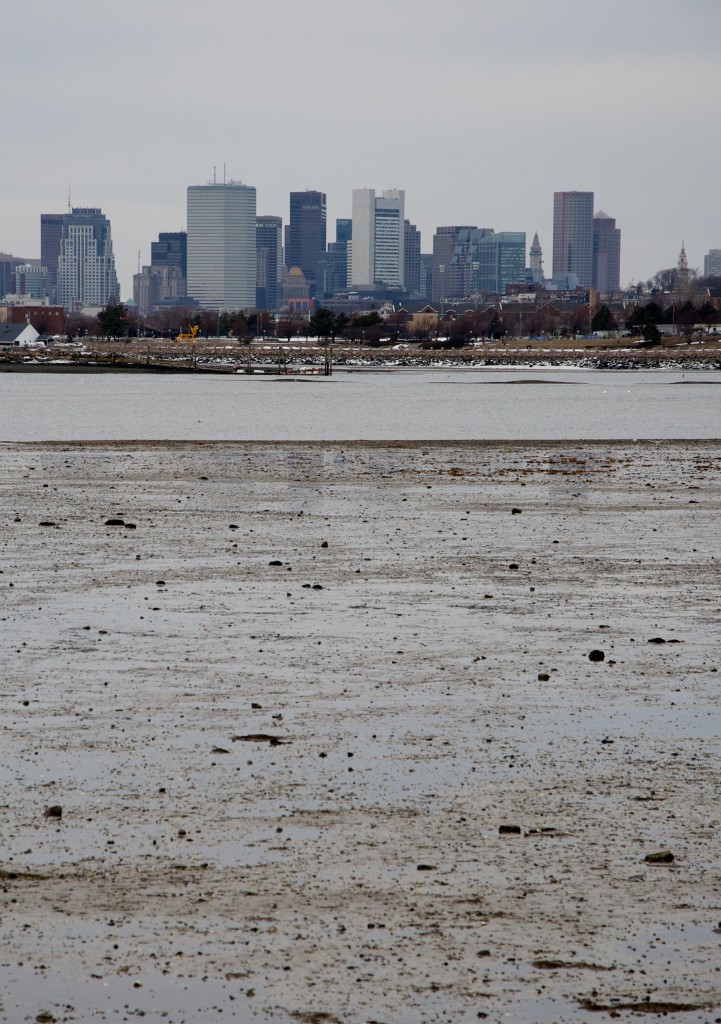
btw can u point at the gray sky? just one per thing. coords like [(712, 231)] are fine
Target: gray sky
[(479, 110)]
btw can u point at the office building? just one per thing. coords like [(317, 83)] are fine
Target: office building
[(171, 250), (333, 266), (573, 236), (8, 265), (444, 244), (86, 264), (412, 259), (485, 262), (306, 233), (378, 239), (51, 233), (606, 254), (712, 263), (426, 276), (156, 285), (269, 265), (32, 280), (222, 264)]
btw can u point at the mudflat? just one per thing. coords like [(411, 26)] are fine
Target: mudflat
[(358, 732)]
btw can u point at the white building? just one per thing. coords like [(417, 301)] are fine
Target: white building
[(221, 245), (378, 238), (86, 265)]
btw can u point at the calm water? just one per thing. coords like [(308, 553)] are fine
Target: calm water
[(442, 404)]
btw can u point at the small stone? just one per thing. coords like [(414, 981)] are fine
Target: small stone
[(425, 867), (256, 707), (46, 522), (160, 583), (54, 811), (657, 640), (596, 655), (276, 561), (509, 830), (516, 511), (115, 522), (317, 586), (324, 544), (543, 677), (513, 565), (130, 526), (661, 857)]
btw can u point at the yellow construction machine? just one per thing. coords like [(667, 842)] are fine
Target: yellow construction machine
[(188, 336)]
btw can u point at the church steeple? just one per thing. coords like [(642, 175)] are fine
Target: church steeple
[(682, 266)]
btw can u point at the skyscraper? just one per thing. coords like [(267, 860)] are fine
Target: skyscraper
[(221, 245), (377, 256), (412, 259), (86, 264), (606, 254), (306, 234), (171, 250), (485, 262), (51, 233), (444, 244), (573, 236), (269, 248)]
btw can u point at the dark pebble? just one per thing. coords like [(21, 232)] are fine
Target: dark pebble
[(509, 830), (596, 656)]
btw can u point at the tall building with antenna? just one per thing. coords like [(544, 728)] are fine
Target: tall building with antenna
[(222, 245), (85, 263)]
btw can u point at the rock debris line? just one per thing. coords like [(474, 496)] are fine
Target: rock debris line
[(320, 740)]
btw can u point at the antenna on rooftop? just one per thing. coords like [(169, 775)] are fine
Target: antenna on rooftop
[(70, 206), (215, 180)]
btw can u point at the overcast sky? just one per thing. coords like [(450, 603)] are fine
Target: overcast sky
[(479, 109)]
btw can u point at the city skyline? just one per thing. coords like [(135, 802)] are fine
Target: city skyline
[(480, 115)]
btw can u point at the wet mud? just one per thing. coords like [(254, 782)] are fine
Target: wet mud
[(312, 732)]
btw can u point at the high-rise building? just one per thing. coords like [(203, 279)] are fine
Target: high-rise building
[(485, 262), (222, 264), (306, 233), (712, 263), (51, 233), (378, 239), (426, 276), (444, 244), (32, 280), (412, 259), (573, 236), (269, 250), (86, 264), (171, 250), (8, 265), (158, 284), (333, 267), (606, 254), (536, 260)]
